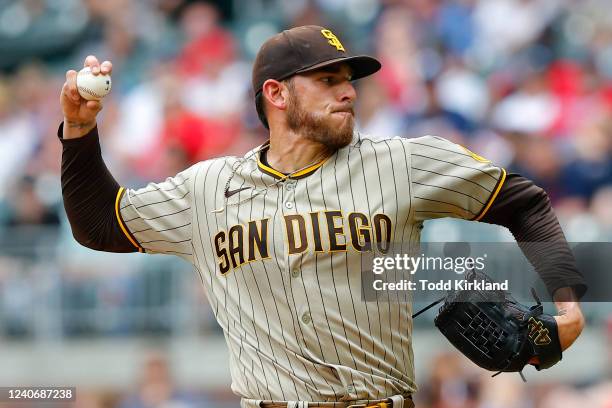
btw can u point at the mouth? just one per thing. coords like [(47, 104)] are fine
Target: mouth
[(344, 112)]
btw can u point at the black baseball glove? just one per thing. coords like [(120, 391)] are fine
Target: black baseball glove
[(495, 331)]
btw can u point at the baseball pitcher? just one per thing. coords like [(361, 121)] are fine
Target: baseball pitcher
[(278, 235)]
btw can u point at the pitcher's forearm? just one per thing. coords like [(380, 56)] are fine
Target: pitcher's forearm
[(570, 319), (90, 195)]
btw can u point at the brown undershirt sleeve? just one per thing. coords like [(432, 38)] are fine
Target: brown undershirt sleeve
[(525, 210), (91, 195)]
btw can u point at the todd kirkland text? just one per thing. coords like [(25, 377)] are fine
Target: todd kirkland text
[(450, 284)]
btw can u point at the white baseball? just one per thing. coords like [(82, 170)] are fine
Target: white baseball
[(93, 87)]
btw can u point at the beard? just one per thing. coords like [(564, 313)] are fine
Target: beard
[(318, 127)]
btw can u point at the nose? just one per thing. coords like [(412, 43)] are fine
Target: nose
[(347, 92)]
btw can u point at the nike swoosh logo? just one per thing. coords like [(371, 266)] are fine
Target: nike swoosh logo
[(230, 193)]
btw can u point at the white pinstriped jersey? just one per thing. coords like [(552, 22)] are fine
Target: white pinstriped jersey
[(280, 259)]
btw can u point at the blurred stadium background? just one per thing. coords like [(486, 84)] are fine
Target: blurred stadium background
[(526, 83)]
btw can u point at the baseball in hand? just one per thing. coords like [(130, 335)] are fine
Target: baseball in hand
[(93, 87)]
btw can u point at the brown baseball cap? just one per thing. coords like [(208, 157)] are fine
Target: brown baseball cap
[(303, 49)]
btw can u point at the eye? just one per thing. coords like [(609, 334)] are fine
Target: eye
[(327, 79)]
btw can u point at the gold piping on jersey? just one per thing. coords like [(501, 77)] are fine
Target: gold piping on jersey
[(270, 171), (475, 156), (309, 170), (297, 175), (120, 220), (493, 196)]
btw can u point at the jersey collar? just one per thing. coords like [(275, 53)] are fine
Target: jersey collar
[(267, 169)]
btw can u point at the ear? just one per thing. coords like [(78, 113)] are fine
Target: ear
[(276, 93)]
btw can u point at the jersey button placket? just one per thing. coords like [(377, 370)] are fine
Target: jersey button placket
[(289, 194)]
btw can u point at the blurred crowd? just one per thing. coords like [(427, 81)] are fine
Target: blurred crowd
[(450, 381), (525, 83), (454, 382)]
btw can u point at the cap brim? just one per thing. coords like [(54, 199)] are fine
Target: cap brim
[(362, 65)]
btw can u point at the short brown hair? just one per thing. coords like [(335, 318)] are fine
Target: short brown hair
[(261, 109)]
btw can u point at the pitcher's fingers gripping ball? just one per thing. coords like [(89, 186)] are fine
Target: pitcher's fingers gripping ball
[(93, 87)]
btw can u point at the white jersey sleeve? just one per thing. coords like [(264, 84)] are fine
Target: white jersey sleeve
[(448, 180), (158, 218)]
